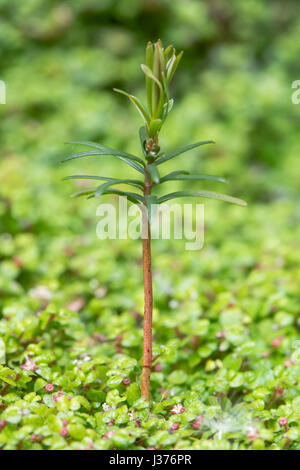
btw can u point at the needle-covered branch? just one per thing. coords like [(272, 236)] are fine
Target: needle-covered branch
[(159, 68)]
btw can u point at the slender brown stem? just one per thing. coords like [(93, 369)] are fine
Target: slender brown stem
[(148, 296), (147, 346)]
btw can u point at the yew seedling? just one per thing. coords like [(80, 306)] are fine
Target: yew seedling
[(159, 68)]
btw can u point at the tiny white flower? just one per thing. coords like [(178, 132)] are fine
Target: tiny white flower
[(252, 432), (106, 407), (41, 293), (131, 415), (178, 409), (29, 365)]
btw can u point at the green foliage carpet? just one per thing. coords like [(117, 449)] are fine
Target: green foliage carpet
[(226, 318)]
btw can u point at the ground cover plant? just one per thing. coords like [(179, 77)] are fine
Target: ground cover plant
[(226, 323), (228, 380)]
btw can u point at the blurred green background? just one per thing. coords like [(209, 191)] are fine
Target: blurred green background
[(60, 61)]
